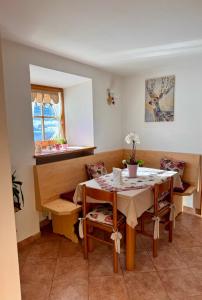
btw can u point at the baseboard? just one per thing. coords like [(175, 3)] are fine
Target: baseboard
[(29, 240)]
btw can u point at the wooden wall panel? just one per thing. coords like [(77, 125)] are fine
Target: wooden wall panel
[(52, 179), (152, 160)]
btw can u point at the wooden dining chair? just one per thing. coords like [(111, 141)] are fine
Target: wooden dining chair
[(161, 211), (105, 218)]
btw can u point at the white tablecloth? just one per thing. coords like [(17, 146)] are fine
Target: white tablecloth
[(133, 203)]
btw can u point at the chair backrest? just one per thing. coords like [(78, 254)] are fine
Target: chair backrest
[(100, 195), (161, 189)]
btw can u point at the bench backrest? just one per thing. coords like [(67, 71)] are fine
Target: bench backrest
[(52, 179), (152, 160)]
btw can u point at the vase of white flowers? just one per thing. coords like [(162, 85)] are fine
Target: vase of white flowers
[(131, 162)]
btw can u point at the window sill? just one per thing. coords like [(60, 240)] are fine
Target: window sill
[(47, 156)]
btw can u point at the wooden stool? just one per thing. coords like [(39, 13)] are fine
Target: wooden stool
[(64, 216)]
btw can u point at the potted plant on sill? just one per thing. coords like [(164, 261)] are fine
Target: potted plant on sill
[(18, 198), (131, 162)]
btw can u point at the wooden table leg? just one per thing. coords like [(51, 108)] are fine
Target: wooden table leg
[(130, 248)]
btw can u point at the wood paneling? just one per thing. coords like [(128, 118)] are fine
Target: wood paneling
[(192, 173), (152, 160), (52, 179)]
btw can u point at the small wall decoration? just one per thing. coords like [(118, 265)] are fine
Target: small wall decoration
[(110, 97), (159, 99)]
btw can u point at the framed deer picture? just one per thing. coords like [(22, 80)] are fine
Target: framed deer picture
[(159, 99)]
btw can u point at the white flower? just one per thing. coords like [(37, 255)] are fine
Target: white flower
[(132, 137)]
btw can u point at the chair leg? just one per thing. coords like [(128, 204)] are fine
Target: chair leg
[(142, 224), (90, 240), (85, 240), (170, 231), (155, 246), (115, 260)]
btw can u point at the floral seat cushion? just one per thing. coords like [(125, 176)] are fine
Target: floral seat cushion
[(103, 214), (174, 165), (96, 170)]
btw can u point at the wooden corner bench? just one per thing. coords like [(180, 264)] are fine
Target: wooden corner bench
[(191, 173), (52, 180), (64, 216), (64, 213)]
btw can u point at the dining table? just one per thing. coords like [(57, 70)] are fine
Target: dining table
[(134, 197)]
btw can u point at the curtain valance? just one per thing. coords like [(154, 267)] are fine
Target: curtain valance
[(45, 97)]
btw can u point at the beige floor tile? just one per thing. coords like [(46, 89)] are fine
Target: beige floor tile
[(38, 270), (197, 272), (143, 243), (100, 265), (47, 237), (23, 253), (35, 290), (191, 256), (47, 249), (189, 221), (199, 297), (108, 287), (71, 265), (144, 286), (143, 262), (69, 288), (196, 233), (168, 259), (184, 239), (101, 249), (68, 249), (180, 283), (55, 261)]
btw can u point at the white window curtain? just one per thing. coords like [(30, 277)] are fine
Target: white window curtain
[(45, 97), (55, 99)]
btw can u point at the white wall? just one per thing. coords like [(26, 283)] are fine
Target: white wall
[(9, 271), (107, 119), (78, 102), (182, 135)]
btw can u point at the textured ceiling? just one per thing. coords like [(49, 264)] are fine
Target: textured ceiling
[(120, 36)]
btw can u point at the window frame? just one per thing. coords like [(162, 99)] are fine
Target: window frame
[(35, 87)]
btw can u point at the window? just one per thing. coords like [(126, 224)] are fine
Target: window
[(47, 113)]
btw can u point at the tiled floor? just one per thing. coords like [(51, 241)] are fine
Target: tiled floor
[(53, 268)]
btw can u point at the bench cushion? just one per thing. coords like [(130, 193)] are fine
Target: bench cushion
[(189, 191), (95, 170), (174, 165), (185, 186), (68, 196)]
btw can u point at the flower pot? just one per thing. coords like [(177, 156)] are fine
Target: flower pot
[(132, 170)]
